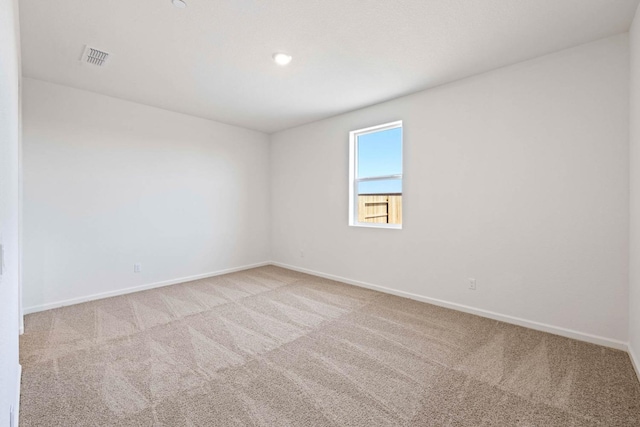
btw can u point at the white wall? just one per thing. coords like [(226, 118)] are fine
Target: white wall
[(109, 183), (517, 177), (634, 279), (9, 208)]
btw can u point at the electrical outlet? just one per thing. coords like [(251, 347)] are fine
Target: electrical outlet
[(472, 284), (301, 254), (137, 268)]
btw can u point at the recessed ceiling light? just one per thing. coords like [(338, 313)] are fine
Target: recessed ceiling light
[(180, 4), (282, 58)]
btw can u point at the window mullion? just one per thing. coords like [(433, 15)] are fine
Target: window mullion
[(380, 178)]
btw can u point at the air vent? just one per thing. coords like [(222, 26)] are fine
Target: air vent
[(95, 56)]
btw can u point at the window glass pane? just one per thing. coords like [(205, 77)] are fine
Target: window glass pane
[(380, 202), (380, 153), (383, 186)]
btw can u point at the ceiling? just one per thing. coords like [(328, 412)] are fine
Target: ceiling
[(213, 59)]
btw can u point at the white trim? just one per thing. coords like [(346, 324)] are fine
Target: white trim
[(377, 128), (634, 360), (49, 306), (377, 225), (20, 167), (556, 330), (16, 409), (569, 333)]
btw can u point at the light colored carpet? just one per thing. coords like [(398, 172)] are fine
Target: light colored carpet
[(272, 347)]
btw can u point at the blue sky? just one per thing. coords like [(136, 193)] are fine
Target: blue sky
[(380, 153)]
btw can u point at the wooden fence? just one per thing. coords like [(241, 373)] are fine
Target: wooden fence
[(380, 208)]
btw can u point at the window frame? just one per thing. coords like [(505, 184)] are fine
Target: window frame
[(353, 173)]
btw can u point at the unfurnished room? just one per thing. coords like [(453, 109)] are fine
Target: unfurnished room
[(298, 213)]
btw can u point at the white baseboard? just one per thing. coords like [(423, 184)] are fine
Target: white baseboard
[(634, 360), (49, 306), (16, 409), (569, 333)]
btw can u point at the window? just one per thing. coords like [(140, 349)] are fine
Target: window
[(375, 176)]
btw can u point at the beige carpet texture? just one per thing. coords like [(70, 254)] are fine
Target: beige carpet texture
[(273, 347)]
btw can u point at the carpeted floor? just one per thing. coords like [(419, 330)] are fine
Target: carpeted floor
[(272, 347)]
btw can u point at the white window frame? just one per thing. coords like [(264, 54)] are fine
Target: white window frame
[(353, 173)]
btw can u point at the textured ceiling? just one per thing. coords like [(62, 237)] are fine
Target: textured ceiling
[(213, 59)]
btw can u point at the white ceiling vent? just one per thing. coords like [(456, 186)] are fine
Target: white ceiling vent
[(94, 56)]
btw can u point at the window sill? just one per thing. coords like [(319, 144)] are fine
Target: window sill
[(374, 225)]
